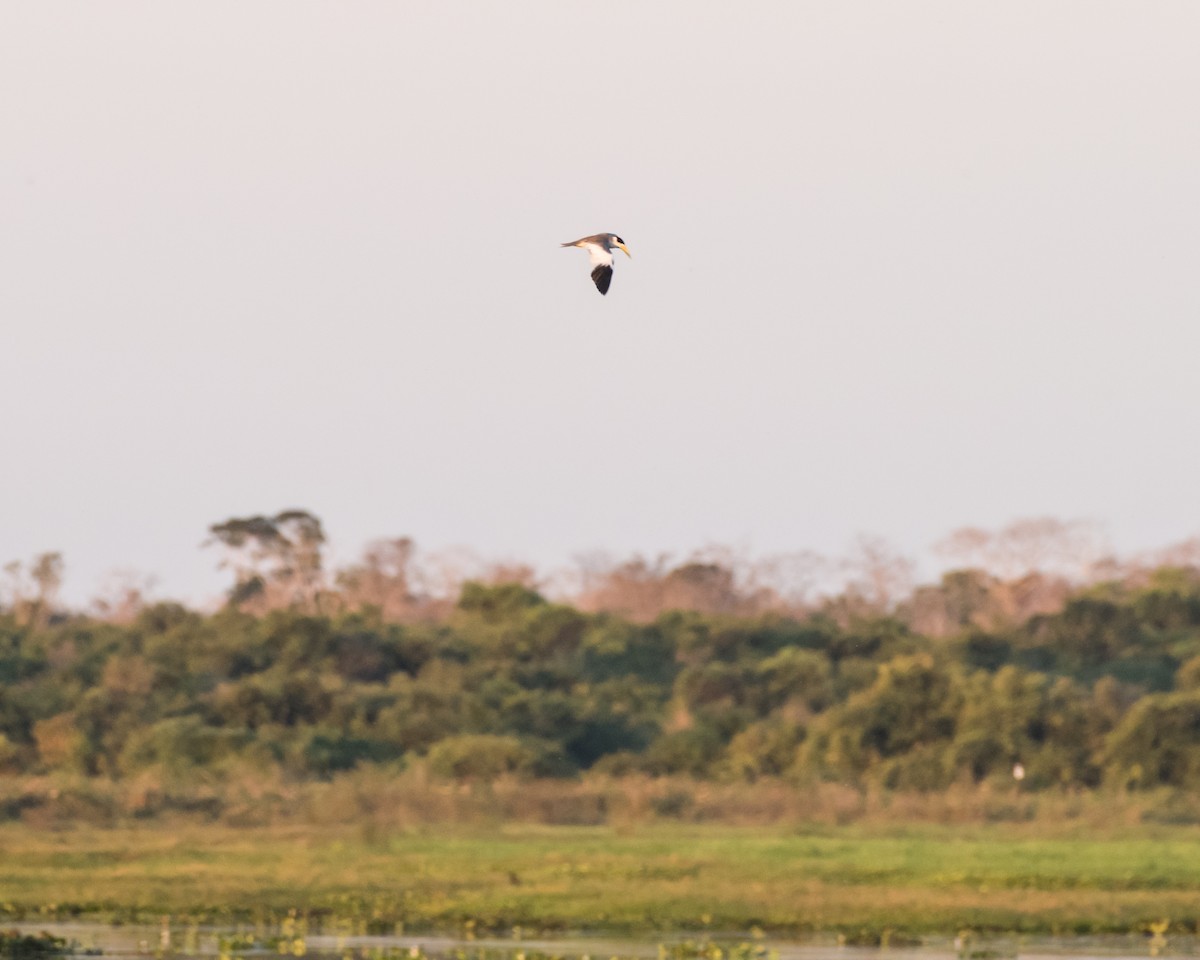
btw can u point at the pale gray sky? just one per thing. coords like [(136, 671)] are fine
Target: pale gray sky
[(898, 267)]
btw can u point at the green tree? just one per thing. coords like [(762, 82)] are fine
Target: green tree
[(1157, 743), (911, 708)]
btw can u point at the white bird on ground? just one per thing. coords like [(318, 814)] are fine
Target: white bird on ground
[(600, 247)]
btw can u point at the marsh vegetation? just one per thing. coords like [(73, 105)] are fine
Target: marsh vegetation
[(861, 881), (676, 749)]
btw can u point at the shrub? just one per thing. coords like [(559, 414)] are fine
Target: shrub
[(481, 756)]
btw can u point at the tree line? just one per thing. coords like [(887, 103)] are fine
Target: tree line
[(971, 679)]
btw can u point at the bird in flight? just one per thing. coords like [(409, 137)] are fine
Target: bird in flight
[(600, 247)]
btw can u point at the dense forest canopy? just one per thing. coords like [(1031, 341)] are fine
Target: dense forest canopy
[(692, 669)]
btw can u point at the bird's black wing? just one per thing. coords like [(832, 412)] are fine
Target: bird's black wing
[(602, 275)]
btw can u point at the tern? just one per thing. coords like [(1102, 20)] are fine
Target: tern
[(600, 247)]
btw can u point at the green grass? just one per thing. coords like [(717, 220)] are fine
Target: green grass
[(665, 877)]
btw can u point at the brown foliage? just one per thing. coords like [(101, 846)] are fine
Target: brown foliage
[(382, 579), (642, 590), (33, 592), (1046, 545)]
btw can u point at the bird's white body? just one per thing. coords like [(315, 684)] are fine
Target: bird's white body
[(598, 255)]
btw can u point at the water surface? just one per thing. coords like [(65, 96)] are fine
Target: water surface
[(181, 942)]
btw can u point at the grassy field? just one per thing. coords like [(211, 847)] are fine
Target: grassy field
[(859, 880)]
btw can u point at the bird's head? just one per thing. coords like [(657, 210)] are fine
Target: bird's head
[(620, 244)]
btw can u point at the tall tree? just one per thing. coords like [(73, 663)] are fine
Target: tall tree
[(33, 593), (275, 559)]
